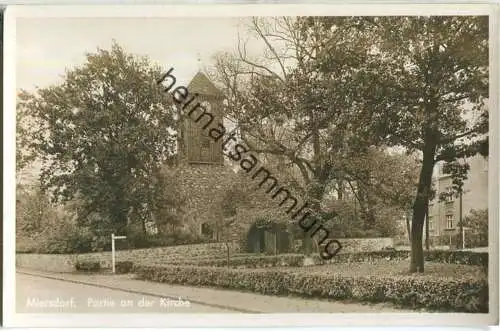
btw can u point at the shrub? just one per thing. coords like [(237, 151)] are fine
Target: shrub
[(459, 295), (296, 260), (88, 266), (477, 221), (138, 240), (444, 240), (458, 257), (63, 238), (389, 255), (59, 235), (248, 261), (123, 267), (454, 257)]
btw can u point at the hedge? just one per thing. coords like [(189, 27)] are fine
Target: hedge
[(458, 257), (454, 257), (406, 291), (192, 259), (88, 266), (250, 261), (123, 267), (295, 260)]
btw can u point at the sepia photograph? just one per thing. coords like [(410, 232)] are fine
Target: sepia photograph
[(251, 161)]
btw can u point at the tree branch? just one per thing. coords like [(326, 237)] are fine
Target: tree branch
[(243, 57), (271, 48)]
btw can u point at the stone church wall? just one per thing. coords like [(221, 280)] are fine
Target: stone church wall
[(204, 186)]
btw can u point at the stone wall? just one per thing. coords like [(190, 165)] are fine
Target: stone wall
[(67, 262), (204, 186), (47, 262)]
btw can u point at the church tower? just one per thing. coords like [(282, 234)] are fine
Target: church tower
[(197, 146), (201, 171)]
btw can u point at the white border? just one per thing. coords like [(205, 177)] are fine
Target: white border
[(11, 319), (493, 166), (242, 10)]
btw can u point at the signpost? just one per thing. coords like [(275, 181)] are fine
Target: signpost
[(113, 238)]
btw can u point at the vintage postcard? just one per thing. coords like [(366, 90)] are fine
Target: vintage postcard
[(251, 165)]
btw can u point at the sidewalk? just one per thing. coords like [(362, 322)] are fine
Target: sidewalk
[(234, 300)]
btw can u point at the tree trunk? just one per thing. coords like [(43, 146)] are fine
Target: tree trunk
[(408, 227), (340, 190), (460, 223), (367, 210), (120, 213), (427, 243), (227, 250), (355, 210), (422, 202), (316, 194)]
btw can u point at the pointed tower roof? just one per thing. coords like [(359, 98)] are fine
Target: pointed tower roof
[(202, 85)]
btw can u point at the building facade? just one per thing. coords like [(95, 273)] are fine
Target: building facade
[(444, 216)]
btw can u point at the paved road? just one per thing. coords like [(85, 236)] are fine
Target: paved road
[(38, 295), (97, 292)]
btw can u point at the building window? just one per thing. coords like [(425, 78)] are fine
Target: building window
[(205, 143), (431, 223), (449, 221)]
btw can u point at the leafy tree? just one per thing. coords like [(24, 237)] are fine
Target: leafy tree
[(424, 87), (477, 221), (43, 227), (25, 153), (31, 209), (434, 76), (233, 198), (308, 102), (374, 203), (62, 234), (102, 134), (169, 202), (285, 108), (384, 181)]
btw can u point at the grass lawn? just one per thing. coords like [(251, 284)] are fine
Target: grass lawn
[(396, 268)]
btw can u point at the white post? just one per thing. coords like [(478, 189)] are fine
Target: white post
[(113, 238), (463, 237), (113, 251)]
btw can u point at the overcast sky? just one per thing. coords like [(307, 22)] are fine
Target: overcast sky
[(46, 46)]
